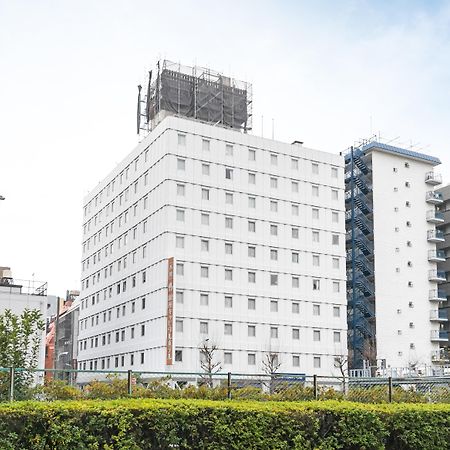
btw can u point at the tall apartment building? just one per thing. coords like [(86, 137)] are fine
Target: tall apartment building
[(205, 233), (444, 266), (393, 281)]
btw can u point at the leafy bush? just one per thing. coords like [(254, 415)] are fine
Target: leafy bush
[(134, 424)]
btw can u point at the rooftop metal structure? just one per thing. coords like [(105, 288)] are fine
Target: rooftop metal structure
[(194, 92)]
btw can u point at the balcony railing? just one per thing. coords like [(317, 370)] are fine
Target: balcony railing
[(434, 216), (437, 275), (435, 235), (433, 178), (439, 335), (437, 295), (436, 255), (434, 197), (439, 315)]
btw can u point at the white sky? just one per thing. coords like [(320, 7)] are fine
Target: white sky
[(324, 70)]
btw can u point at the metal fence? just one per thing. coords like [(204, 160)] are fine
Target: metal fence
[(45, 385)]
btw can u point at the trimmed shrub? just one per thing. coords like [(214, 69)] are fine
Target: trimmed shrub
[(134, 424)]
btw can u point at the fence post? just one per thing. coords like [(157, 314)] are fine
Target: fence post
[(229, 385), (11, 384), (390, 389), (129, 387), (316, 392)]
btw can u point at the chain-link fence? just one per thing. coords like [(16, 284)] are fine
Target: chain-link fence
[(46, 385)]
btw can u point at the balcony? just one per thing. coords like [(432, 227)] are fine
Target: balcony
[(434, 216), (439, 315), (434, 198), (436, 295), (436, 256), (439, 336), (433, 178), (435, 236), (437, 275), (440, 356)]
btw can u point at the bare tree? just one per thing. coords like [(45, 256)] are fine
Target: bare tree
[(271, 363), (341, 362), (207, 361)]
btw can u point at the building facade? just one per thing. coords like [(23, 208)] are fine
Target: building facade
[(444, 266), (393, 281), (207, 234), (18, 295)]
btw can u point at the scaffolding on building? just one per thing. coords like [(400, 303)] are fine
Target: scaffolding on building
[(194, 92)]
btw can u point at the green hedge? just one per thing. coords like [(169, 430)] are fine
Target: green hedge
[(201, 424)]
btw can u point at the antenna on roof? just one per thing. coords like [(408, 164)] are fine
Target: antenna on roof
[(147, 105), (138, 123)]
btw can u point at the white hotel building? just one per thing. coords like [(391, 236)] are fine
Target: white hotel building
[(256, 231)]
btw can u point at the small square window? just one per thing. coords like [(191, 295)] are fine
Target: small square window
[(316, 310), (204, 271), (228, 329), (204, 245), (336, 337), (295, 282), (228, 198), (251, 277), (251, 251), (273, 306), (228, 174), (294, 163), (273, 206), (295, 257), (252, 202), (180, 215), (274, 230), (316, 285), (228, 248), (296, 361), (179, 297), (316, 260), (181, 190), (335, 263), (178, 355), (274, 332), (251, 226), (336, 311), (205, 169), (180, 269), (334, 172), (251, 303), (335, 239), (181, 164), (206, 145), (204, 328), (205, 219), (252, 178), (229, 222), (315, 191), (228, 301), (336, 286), (228, 358), (315, 168), (295, 210), (274, 254), (228, 274), (228, 150), (316, 335), (181, 139), (315, 213), (179, 242), (295, 308), (294, 186), (273, 159), (294, 232), (204, 299), (273, 279), (251, 154), (334, 194), (205, 194), (296, 333), (273, 183), (316, 362), (179, 326), (251, 359), (334, 216)]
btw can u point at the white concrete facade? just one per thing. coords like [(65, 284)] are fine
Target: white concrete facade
[(256, 229), (405, 317), (14, 298)]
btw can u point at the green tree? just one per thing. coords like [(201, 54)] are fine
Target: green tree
[(20, 338)]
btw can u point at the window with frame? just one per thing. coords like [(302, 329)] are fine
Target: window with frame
[(181, 164), (179, 269), (204, 218), (204, 245), (274, 332), (273, 182), (273, 306), (228, 150), (229, 222), (228, 329), (274, 279), (205, 169), (295, 282), (205, 194), (204, 299), (228, 173), (181, 139), (296, 333), (251, 251), (251, 178), (252, 277), (204, 271), (295, 308), (251, 303), (228, 301), (228, 248)]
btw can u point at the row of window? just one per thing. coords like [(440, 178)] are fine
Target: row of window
[(121, 311), (119, 361), (124, 175)]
